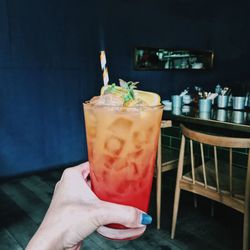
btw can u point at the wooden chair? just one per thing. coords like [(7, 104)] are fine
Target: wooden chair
[(167, 159), (214, 179), (160, 168)]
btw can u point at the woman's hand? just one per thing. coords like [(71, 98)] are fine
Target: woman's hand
[(75, 212)]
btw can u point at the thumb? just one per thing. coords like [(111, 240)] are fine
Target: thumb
[(126, 215)]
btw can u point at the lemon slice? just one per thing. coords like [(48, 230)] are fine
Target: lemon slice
[(149, 98)]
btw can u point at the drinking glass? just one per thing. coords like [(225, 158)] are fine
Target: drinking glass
[(221, 115), (238, 117), (176, 101), (222, 101), (122, 144), (239, 102), (205, 105)]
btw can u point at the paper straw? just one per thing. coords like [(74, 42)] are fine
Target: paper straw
[(105, 74)]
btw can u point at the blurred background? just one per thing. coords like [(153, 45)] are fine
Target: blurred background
[(49, 65)]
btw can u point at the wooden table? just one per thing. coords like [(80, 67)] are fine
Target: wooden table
[(218, 119)]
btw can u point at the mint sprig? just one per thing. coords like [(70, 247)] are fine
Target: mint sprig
[(126, 91), (129, 87)]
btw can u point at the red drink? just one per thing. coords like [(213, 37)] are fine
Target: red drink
[(122, 143)]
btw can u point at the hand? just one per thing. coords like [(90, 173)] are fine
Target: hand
[(75, 212)]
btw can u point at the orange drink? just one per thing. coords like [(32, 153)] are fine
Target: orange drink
[(122, 143)]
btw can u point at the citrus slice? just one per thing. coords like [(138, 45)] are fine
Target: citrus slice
[(149, 98)]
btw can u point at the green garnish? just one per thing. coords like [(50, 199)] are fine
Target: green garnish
[(129, 87), (126, 91)]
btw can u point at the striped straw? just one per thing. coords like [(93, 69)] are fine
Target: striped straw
[(105, 74)]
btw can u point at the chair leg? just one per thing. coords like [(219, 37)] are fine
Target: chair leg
[(158, 197), (175, 211), (246, 232), (212, 209), (158, 185), (195, 201), (177, 187), (246, 226)]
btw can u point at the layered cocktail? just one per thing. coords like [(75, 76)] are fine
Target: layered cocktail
[(122, 138)]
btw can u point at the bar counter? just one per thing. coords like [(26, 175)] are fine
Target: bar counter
[(226, 119)]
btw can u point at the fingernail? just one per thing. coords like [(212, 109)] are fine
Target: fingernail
[(146, 219)]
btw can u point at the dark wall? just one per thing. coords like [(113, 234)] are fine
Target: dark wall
[(49, 64), (221, 26)]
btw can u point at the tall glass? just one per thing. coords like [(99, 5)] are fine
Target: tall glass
[(122, 143)]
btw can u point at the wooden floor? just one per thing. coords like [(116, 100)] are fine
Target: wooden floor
[(24, 200)]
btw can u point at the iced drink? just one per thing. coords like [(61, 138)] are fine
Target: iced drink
[(122, 142)]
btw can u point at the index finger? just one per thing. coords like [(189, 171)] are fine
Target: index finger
[(83, 169)]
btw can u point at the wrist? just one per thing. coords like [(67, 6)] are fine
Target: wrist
[(47, 237)]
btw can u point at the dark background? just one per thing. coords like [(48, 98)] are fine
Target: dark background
[(49, 64)]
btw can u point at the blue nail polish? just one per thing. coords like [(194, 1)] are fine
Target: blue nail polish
[(146, 219)]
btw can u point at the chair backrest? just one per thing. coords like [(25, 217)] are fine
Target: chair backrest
[(228, 186), (215, 140), (226, 177)]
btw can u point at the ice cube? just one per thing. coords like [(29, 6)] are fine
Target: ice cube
[(136, 103), (91, 123), (134, 170), (149, 133), (109, 161), (139, 139), (90, 117), (121, 126), (91, 131), (105, 176), (107, 100), (120, 165), (114, 145), (122, 187), (136, 154)]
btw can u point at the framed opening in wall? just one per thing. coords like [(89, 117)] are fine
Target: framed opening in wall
[(146, 58)]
